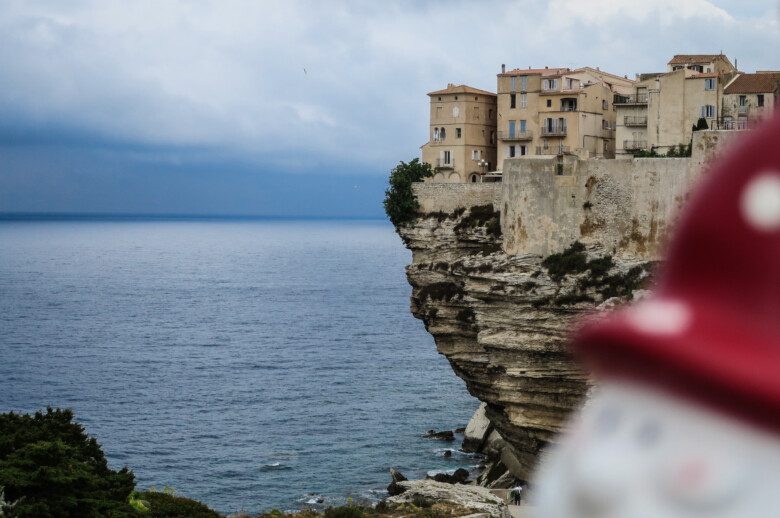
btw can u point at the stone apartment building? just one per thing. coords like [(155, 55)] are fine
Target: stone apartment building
[(555, 111), (663, 107), (748, 99), (462, 143)]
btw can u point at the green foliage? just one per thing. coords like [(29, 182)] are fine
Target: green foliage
[(51, 468), (344, 512), (166, 504), (571, 261), (421, 501), (382, 506), (400, 202)]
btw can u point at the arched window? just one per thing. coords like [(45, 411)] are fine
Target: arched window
[(435, 134), (442, 134), (474, 178)]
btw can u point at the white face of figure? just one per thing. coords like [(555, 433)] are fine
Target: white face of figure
[(634, 452)]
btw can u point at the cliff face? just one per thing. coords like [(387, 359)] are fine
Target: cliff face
[(501, 320)]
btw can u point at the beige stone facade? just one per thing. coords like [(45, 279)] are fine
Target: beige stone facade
[(663, 108), (462, 134), (556, 111), (748, 99)]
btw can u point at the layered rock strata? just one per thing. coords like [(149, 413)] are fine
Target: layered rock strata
[(502, 320)]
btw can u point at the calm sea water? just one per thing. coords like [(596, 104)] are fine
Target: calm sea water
[(247, 364)]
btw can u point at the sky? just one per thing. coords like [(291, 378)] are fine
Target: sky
[(292, 108)]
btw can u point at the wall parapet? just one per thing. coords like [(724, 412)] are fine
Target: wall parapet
[(625, 206), (447, 197)]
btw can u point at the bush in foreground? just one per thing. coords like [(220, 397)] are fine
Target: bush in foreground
[(168, 505), (50, 468)]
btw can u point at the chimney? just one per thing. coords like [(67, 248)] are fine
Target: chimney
[(597, 68), (546, 68), (503, 68), (450, 86)]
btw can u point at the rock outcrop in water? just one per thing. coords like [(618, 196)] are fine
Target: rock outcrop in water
[(501, 320)]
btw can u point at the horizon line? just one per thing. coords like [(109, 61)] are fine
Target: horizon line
[(84, 216)]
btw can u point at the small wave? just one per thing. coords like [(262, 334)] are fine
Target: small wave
[(434, 472), (275, 466)]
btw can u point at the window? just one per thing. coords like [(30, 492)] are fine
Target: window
[(490, 114), (549, 103), (492, 137), (569, 83), (512, 100), (522, 101), (435, 134), (476, 154), (476, 112), (511, 129), (523, 83), (709, 84), (760, 100), (522, 126), (605, 124), (447, 157), (605, 104), (457, 132), (442, 135), (708, 111), (523, 150), (512, 84), (550, 84), (510, 151), (546, 143)]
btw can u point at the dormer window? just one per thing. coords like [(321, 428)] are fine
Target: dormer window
[(550, 84)]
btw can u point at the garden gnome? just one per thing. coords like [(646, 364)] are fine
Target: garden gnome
[(685, 420)]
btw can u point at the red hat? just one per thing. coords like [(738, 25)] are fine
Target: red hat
[(711, 331)]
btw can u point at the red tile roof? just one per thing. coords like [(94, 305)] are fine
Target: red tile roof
[(462, 89), (531, 71), (754, 83), (688, 59)]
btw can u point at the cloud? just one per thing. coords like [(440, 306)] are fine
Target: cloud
[(228, 76)]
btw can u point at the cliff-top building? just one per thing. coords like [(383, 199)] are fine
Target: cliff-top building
[(663, 107), (555, 111), (748, 99), (462, 134)]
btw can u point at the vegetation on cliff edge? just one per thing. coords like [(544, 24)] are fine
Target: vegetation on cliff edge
[(400, 202)]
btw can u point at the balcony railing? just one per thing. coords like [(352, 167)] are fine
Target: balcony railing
[(553, 150), (634, 145), (443, 163), (569, 108), (729, 124), (634, 120), (516, 135), (631, 99), (553, 132)]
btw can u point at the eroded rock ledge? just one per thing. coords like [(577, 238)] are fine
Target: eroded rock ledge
[(502, 320)]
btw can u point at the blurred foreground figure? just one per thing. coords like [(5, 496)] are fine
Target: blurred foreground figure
[(686, 419)]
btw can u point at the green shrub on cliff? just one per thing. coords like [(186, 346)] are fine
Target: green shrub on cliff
[(400, 202), (51, 468)]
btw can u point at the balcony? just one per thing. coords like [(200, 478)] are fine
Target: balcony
[(517, 135), (553, 132), (730, 124), (631, 99), (553, 150), (631, 120), (443, 163), (634, 145)]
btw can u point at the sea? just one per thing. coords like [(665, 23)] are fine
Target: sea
[(250, 364)]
